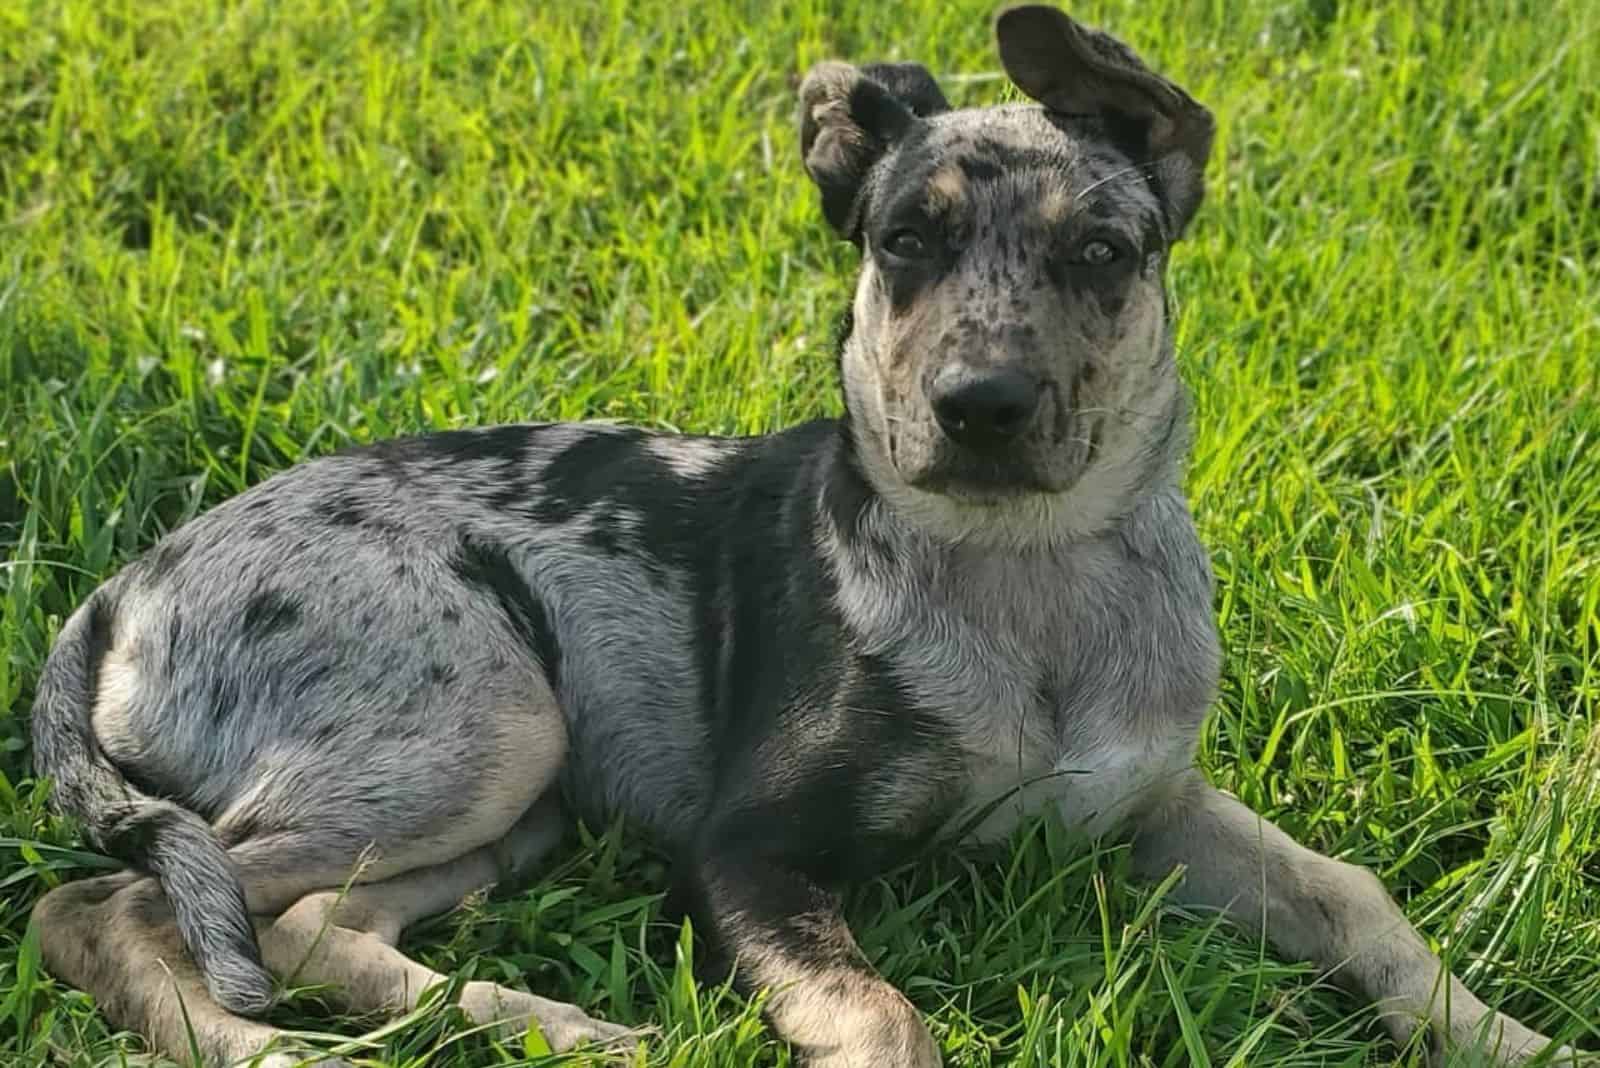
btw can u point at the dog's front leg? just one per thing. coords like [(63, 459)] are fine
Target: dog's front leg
[(781, 932), (1317, 909)]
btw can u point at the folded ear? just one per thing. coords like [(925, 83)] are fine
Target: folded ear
[(1074, 70), (849, 117), (911, 84)]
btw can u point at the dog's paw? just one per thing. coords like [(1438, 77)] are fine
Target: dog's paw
[(571, 1028), (1499, 1041), (564, 1026), (902, 1047), (284, 1058)]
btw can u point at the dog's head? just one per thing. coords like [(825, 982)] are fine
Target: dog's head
[(1008, 368)]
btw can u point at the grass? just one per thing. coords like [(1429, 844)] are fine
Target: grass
[(233, 236)]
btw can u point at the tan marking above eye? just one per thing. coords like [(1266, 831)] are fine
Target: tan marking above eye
[(1055, 205), (947, 189)]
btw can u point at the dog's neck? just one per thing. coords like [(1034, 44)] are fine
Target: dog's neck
[(1001, 617)]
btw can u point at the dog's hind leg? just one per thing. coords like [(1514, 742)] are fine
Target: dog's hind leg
[(116, 935), (442, 794), (346, 940)]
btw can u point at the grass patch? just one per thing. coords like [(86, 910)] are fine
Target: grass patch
[(233, 236)]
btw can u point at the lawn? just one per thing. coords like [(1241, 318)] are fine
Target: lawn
[(233, 236)]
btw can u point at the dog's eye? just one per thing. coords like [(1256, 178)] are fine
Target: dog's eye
[(905, 245), (1097, 252)]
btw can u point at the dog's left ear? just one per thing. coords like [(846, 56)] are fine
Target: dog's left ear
[(849, 118), (1074, 70)]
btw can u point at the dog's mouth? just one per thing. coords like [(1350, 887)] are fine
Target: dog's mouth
[(979, 480), (1049, 460), (1042, 467)]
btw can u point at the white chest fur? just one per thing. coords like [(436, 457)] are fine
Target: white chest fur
[(1077, 680), (1094, 788)]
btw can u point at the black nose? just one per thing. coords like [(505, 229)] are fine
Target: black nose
[(983, 407)]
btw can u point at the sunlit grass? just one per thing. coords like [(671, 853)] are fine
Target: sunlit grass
[(236, 235)]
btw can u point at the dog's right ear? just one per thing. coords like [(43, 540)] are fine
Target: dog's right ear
[(849, 117)]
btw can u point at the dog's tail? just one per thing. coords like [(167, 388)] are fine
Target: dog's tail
[(151, 834)]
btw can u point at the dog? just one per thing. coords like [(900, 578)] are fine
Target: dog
[(386, 678)]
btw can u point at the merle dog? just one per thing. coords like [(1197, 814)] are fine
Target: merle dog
[(793, 659)]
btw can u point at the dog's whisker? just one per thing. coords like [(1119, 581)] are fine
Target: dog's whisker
[(1144, 170), (1119, 410)]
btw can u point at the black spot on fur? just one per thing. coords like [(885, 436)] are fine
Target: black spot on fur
[(327, 730), (309, 679), (224, 699), (979, 169), (130, 838), (346, 511), (165, 558), (268, 612), (392, 461), (500, 457), (101, 635), (588, 471), (174, 635), (604, 534), (487, 567), (495, 444), (606, 475)]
